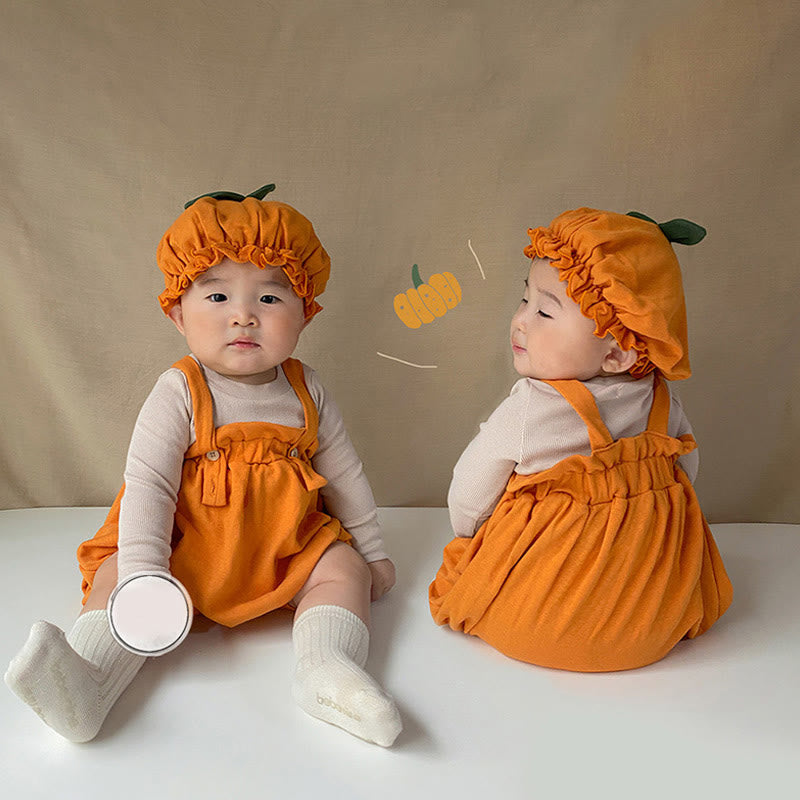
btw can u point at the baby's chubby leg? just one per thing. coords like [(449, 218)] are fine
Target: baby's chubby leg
[(71, 681), (331, 643)]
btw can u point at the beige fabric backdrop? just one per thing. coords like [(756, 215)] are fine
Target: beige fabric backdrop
[(405, 130)]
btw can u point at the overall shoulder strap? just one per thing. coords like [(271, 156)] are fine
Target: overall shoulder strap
[(658, 421), (202, 403), (293, 369), (582, 400)]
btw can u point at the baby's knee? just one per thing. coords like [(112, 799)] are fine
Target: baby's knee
[(341, 562)]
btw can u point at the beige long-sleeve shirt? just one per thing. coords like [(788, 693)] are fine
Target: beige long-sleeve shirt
[(164, 431), (535, 427)]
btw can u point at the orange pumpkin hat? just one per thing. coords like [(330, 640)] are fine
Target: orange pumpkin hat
[(622, 272), (263, 232)]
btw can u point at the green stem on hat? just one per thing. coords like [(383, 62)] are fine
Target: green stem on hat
[(682, 231), (259, 194), (417, 281)]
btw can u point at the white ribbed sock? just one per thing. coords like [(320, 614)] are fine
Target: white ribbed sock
[(331, 645), (72, 681)]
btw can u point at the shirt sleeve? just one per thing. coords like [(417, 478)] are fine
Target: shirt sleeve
[(347, 495), (679, 425), (482, 472), (161, 436)]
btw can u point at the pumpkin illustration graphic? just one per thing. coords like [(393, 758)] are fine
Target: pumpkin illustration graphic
[(427, 301)]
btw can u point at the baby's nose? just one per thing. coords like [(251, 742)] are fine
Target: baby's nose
[(243, 316)]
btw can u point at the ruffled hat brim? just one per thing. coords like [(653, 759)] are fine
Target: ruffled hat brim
[(262, 232), (624, 275)]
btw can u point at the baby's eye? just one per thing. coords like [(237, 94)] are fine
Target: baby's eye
[(269, 299), (217, 297), (542, 314)]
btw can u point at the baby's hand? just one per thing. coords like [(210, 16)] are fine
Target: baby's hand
[(383, 577)]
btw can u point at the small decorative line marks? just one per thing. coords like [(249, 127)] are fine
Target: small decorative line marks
[(475, 256), (408, 363)]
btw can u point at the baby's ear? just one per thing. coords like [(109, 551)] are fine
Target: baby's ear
[(176, 315), (618, 360)]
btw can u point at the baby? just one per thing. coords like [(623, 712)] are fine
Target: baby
[(580, 544), (241, 484)]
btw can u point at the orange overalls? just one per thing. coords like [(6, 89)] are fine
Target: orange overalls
[(249, 524), (602, 562)]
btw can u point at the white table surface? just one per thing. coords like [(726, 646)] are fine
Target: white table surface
[(718, 718)]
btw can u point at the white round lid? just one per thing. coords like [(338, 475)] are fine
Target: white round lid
[(150, 613)]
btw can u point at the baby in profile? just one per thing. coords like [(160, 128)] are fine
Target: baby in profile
[(580, 543)]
